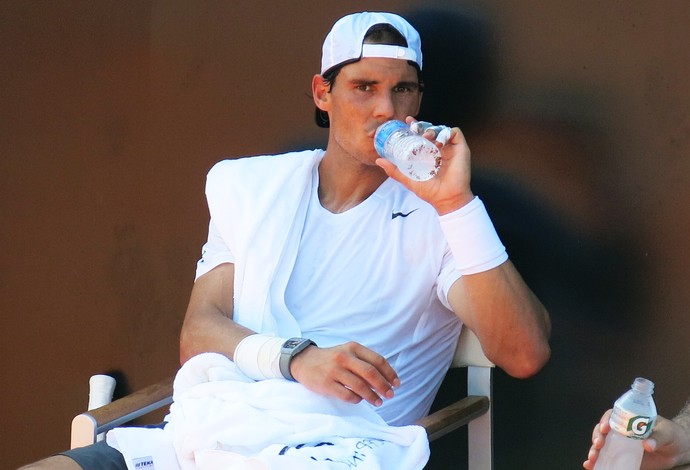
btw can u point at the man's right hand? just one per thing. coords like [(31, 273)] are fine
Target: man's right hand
[(350, 372)]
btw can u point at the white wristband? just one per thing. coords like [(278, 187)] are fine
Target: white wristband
[(472, 238), (258, 356)]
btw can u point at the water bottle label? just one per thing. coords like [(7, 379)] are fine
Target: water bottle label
[(383, 132), (630, 424)]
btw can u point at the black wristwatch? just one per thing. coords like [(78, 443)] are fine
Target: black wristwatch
[(290, 349)]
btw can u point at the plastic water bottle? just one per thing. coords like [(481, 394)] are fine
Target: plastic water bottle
[(414, 155), (631, 421)]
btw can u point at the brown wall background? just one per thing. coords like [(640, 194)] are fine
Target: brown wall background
[(113, 111)]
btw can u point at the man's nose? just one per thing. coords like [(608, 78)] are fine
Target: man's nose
[(384, 107)]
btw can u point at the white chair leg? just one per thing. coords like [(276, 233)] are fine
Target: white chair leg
[(479, 430)]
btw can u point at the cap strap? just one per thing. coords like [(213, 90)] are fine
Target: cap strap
[(388, 51)]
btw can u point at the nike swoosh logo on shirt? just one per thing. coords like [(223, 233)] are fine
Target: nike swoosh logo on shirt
[(401, 214)]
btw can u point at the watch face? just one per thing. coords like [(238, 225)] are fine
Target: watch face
[(291, 343)]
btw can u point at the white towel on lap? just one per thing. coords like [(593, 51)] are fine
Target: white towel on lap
[(222, 419)]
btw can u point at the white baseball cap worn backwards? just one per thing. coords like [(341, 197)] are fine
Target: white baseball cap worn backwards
[(344, 43)]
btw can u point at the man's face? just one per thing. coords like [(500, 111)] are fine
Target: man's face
[(366, 94)]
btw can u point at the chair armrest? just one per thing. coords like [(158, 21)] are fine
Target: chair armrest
[(86, 426), (454, 416)]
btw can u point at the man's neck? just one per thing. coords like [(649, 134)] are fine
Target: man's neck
[(343, 186)]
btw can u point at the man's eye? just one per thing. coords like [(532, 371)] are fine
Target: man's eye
[(364, 87), (403, 89)]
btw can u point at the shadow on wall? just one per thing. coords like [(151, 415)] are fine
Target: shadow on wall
[(544, 422)]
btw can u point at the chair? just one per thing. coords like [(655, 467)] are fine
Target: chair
[(474, 410)]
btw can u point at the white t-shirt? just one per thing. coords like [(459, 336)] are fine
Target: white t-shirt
[(366, 276), (377, 274)]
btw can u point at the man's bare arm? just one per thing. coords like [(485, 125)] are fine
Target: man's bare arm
[(350, 371), (512, 325), (208, 324), (510, 322)]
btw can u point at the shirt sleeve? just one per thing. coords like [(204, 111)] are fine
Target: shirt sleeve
[(214, 252), (448, 275)]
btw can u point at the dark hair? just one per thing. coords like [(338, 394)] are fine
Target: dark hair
[(381, 33)]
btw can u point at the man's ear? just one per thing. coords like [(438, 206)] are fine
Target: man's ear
[(321, 92)]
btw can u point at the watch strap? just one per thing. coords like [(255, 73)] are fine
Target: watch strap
[(289, 350)]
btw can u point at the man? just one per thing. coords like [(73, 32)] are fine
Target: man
[(667, 447), (333, 269)]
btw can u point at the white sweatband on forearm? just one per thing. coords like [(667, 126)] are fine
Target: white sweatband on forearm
[(258, 356), (472, 238)]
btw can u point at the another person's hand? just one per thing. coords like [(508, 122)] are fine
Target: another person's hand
[(350, 372), (598, 439), (667, 447)]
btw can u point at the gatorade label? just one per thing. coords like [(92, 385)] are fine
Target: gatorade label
[(630, 424)]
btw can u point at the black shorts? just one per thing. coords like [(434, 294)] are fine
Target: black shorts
[(100, 456)]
